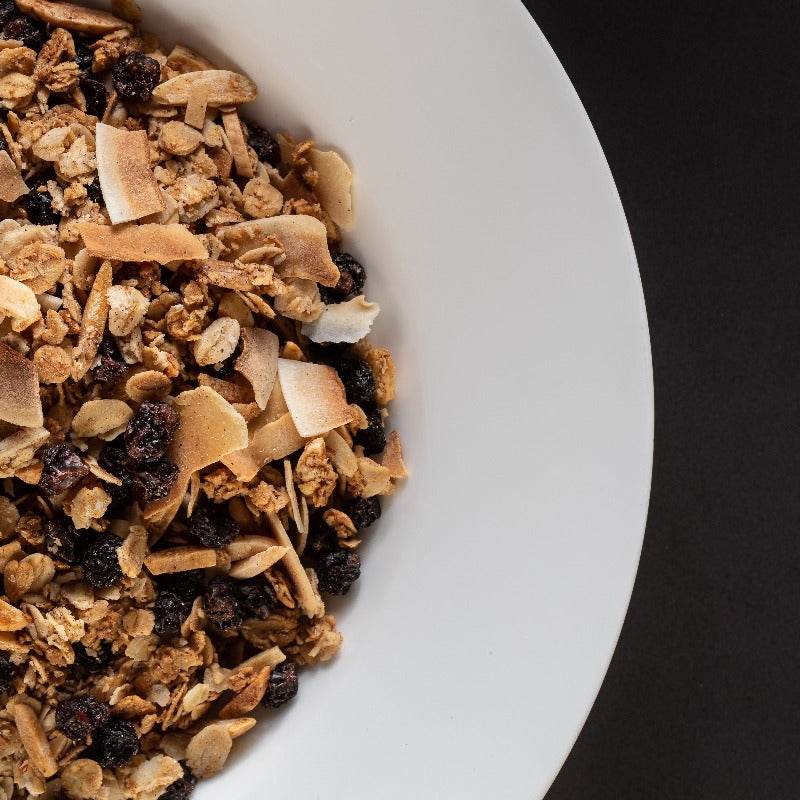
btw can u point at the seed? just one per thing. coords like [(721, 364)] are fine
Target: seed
[(338, 571), (135, 76), (62, 468), (282, 686)]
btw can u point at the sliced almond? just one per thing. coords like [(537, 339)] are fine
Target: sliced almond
[(257, 564), (304, 240), (309, 600), (196, 107), (130, 189), (258, 362), (334, 185), (12, 187), (249, 697), (343, 322), (101, 417), (180, 559), (208, 751), (93, 324), (18, 302), (20, 403), (151, 242), (245, 546), (11, 618), (237, 727), (34, 739), (293, 504), (314, 395), (392, 457), (72, 17), (269, 441), (235, 134), (223, 88), (133, 551), (342, 455), (183, 59)]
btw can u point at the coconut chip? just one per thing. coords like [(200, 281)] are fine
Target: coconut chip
[(223, 88), (130, 189), (314, 396), (72, 17), (342, 455), (333, 186), (20, 403), (18, 302), (258, 362), (392, 457), (180, 559), (343, 322), (12, 187), (151, 242)]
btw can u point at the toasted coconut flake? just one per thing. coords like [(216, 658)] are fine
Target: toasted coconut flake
[(258, 362), (226, 275), (233, 129), (130, 189), (342, 455), (343, 322), (309, 600), (223, 88), (151, 242), (314, 395), (334, 186), (258, 563), (93, 324), (304, 240), (20, 403), (72, 17), (18, 302), (376, 478), (12, 187), (180, 559), (392, 457), (127, 10), (103, 418), (196, 106)]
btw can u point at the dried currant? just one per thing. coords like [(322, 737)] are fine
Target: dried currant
[(181, 789), (282, 685), (363, 511), (94, 92), (77, 717), (113, 458), (135, 76), (8, 9), (257, 598), (38, 205), (63, 541), (25, 30), (358, 379), (153, 480), (222, 604), (352, 277), (213, 526), (110, 363), (176, 593), (101, 562), (62, 468), (373, 437), (321, 539), (95, 661), (150, 432), (265, 144), (114, 744), (6, 673), (84, 55), (95, 193), (338, 571)]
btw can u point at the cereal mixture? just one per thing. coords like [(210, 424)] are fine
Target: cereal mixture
[(192, 423)]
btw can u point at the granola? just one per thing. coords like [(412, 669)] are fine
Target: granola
[(192, 423)]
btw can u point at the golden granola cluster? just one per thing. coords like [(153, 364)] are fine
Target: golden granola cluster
[(192, 421)]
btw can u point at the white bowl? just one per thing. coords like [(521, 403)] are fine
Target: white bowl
[(495, 586)]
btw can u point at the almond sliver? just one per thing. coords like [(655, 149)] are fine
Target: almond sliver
[(18, 302), (223, 88), (72, 17), (130, 189), (152, 242), (20, 403), (12, 187), (259, 362), (333, 188), (343, 322)]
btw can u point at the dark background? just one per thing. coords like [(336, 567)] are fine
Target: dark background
[(696, 106)]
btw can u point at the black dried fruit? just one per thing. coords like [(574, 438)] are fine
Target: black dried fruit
[(181, 789), (84, 55), (338, 571), (94, 92), (150, 432), (265, 144), (63, 541), (135, 76), (282, 685), (95, 193), (154, 480), (25, 30), (62, 468), (114, 744), (8, 9), (358, 380), (352, 277), (213, 526), (256, 597), (113, 458), (321, 539), (170, 611), (363, 511), (77, 717), (6, 673), (222, 604), (373, 437), (111, 364), (38, 205), (100, 561), (93, 661)]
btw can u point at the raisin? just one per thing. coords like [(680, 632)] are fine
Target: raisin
[(95, 193), (373, 437), (100, 561), (90, 662), (77, 717), (135, 76), (8, 9), (63, 541), (257, 598), (170, 612), (150, 432), (154, 480), (322, 538), (94, 92), (25, 30), (6, 673), (265, 144), (358, 380), (111, 364), (38, 205), (114, 744), (338, 571), (282, 685), (213, 526), (62, 468), (351, 280), (363, 511), (182, 787), (113, 458), (222, 605), (84, 55)]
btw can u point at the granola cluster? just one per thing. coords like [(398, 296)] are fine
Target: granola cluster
[(192, 421)]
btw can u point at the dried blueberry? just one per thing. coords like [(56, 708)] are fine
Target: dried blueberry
[(182, 787), (222, 604), (8, 9), (100, 560), (358, 379), (213, 526), (135, 76), (94, 92), (154, 480), (150, 432), (110, 363), (256, 597), (373, 437), (93, 661), (84, 55), (77, 717), (25, 30), (62, 468), (322, 538), (338, 571), (95, 193), (282, 685), (113, 458), (6, 673), (363, 511), (351, 280), (114, 744), (38, 204), (63, 541), (265, 144), (170, 611)]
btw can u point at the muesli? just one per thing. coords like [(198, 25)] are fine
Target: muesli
[(192, 422)]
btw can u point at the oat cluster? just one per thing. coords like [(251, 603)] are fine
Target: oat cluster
[(192, 421)]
